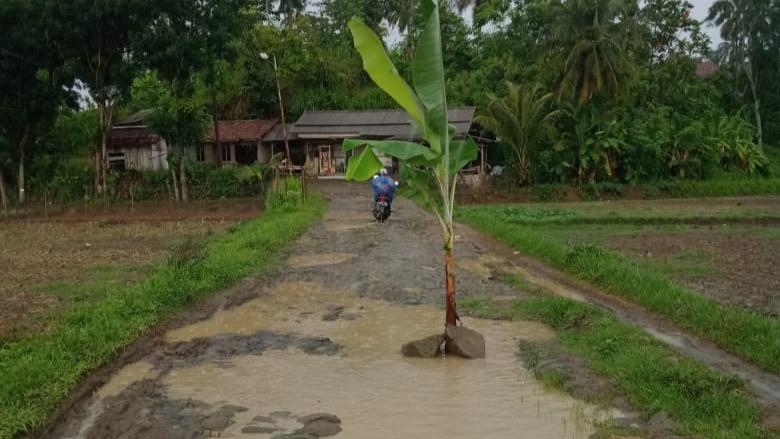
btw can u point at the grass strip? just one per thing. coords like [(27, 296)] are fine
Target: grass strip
[(749, 335), (37, 373), (652, 375)]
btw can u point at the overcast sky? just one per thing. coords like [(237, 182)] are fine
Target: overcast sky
[(699, 12)]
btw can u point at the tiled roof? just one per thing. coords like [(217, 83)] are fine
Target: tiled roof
[(241, 130), (705, 69)]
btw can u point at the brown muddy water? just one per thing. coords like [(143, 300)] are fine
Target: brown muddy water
[(367, 384)]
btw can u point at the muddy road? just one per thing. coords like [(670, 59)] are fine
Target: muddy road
[(315, 351)]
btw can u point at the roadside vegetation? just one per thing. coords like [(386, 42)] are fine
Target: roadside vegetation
[(653, 376), (37, 371), (752, 336), (652, 104)]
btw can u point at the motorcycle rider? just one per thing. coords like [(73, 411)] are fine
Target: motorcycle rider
[(382, 184)]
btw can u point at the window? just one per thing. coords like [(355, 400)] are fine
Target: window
[(226, 154), (201, 154)]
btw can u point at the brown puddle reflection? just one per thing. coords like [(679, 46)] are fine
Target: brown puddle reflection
[(374, 390), (126, 376)]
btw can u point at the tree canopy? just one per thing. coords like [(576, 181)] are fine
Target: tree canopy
[(638, 83)]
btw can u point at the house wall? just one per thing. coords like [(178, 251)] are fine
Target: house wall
[(263, 152), (154, 158)]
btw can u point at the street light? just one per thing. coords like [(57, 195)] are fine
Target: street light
[(265, 56)]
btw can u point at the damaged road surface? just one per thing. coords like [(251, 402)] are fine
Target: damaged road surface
[(316, 351)]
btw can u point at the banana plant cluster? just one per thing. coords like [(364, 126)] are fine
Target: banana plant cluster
[(441, 156)]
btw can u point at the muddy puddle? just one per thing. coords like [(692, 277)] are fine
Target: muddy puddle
[(365, 385)]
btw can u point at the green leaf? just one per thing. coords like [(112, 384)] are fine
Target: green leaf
[(428, 78), (420, 184), (363, 166), (462, 152), (407, 151), (382, 71)]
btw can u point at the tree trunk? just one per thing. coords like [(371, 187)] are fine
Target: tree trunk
[(20, 177), (3, 195), (451, 314), (175, 185), (756, 104), (105, 129), (217, 139), (20, 180), (185, 191)]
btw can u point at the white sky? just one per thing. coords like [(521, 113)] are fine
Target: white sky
[(699, 12)]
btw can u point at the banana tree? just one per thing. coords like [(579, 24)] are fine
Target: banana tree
[(432, 169)]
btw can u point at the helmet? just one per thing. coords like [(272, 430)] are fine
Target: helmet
[(383, 171)]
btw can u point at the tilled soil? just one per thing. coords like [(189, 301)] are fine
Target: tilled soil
[(399, 262), (746, 263)]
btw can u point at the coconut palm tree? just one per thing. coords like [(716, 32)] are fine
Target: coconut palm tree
[(519, 120), (591, 39)]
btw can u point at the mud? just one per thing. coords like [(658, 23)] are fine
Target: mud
[(226, 346), (746, 273), (260, 360)]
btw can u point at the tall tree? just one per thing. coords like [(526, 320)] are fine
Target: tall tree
[(185, 39), (33, 82), (97, 36), (591, 46), (750, 27)]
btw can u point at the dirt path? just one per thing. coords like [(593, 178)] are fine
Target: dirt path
[(314, 351)]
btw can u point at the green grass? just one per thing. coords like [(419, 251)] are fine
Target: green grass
[(685, 265), (653, 376), (753, 337), (96, 284), (36, 373), (629, 213)]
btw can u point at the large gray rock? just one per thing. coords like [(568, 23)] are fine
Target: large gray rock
[(464, 342), (427, 347), (320, 425)]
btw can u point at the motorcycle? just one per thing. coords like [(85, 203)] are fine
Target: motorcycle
[(382, 209)]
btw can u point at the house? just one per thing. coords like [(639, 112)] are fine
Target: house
[(274, 140), (241, 140), (323, 132), (131, 145), (705, 69)]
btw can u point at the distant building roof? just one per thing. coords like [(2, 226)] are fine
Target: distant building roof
[(131, 137), (241, 130), (136, 118), (276, 134), (372, 124), (705, 69)]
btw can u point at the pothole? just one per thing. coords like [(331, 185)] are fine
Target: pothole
[(318, 259)]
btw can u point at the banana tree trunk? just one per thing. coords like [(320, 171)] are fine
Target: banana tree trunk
[(451, 315)]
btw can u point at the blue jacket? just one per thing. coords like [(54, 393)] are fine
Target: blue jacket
[(383, 185)]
